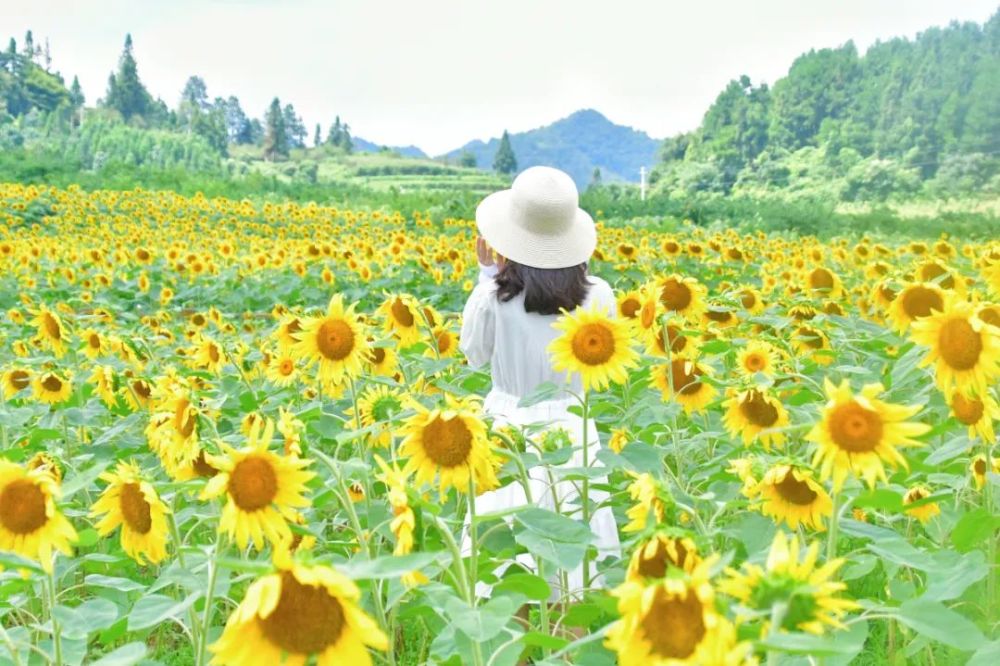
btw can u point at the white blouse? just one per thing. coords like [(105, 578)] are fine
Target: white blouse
[(516, 342)]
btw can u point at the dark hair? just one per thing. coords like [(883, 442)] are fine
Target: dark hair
[(546, 290)]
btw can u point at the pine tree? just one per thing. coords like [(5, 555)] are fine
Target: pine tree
[(295, 130), (318, 136), (76, 97), (334, 136), (29, 46), (126, 94), (505, 162), (275, 138)]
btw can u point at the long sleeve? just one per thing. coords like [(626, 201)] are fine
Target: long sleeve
[(478, 326)]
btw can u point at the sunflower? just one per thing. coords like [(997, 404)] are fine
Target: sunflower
[(914, 302), (619, 438), (93, 343), (661, 552), (46, 462), (103, 379), (924, 512), (281, 370), (289, 327), (681, 345), (755, 415), (810, 596), (858, 433), (965, 351), (209, 355), (790, 494), (673, 621), (594, 345), (377, 405), (401, 316), (648, 497), (172, 432), (629, 304), (684, 296), (30, 523), (750, 300), (682, 380), (978, 468), (298, 612), (14, 381), (444, 343), (51, 333), (823, 282), (382, 361), (130, 501), (262, 488), (450, 443), (757, 356), (291, 428), (977, 412), (808, 340), (52, 389), (335, 340)]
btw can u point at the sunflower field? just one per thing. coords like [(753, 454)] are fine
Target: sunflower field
[(237, 432)]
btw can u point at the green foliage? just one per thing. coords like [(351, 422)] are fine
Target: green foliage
[(126, 94), (871, 127), (275, 138), (504, 161)]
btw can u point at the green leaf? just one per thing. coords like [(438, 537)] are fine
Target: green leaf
[(561, 553), (987, 655), (483, 623), (538, 639), (553, 525), (126, 655), (816, 646), (90, 616), (83, 480), (883, 498), (530, 585), (542, 392), (955, 575), (939, 623), (974, 527), (87, 538), (387, 566), (154, 609)]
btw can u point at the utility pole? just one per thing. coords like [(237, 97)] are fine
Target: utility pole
[(642, 183)]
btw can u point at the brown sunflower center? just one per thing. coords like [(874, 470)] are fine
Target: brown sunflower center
[(135, 508), (593, 344), (443, 342), (720, 316), (855, 429), (648, 314), (674, 626), (306, 620), (918, 302), (213, 353), (678, 341), (990, 315), (22, 507), (142, 389), (94, 340), (684, 378), (821, 279), (253, 483), (931, 272), (655, 566), (52, 328), (959, 344), (758, 410), (967, 410), (630, 307), (401, 313), (447, 443), (184, 418), (19, 379), (795, 491), (979, 465), (202, 467), (748, 299), (335, 339), (52, 384), (286, 367), (754, 362), (675, 295)]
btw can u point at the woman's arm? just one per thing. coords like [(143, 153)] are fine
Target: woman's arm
[(478, 327)]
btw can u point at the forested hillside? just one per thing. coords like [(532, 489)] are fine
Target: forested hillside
[(907, 115)]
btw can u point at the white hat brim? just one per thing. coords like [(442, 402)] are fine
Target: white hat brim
[(570, 247)]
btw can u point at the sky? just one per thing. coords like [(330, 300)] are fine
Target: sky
[(439, 73)]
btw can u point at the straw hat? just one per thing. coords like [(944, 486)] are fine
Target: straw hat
[(538, 221)]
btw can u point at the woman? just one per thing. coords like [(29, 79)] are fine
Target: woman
[(533, 250)]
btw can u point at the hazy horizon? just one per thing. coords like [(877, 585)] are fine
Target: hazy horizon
[(426, 74)]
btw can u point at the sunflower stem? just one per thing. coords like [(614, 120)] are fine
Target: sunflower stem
[(213, 570), (50, 580), (831, 537), (586, 486), (15, 657), (463, 578), (991, 545), (179, 551), (473, 540), (778, 611)]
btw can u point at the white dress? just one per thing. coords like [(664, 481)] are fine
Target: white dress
[(515, 343)]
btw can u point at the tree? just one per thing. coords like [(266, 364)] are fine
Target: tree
[(238, 126), (467, 159), (504, 161), (339, 136), (126, 94), (275, 138), (194, 102), (595, 179), (318, 136), (295, 130), (76, 97)]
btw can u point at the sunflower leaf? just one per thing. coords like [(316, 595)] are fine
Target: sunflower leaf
[(939, 623)]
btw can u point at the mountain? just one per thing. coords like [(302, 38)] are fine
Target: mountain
[(363, 146), (576, 144)]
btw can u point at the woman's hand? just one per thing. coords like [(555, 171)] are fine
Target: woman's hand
[(484, 252)]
